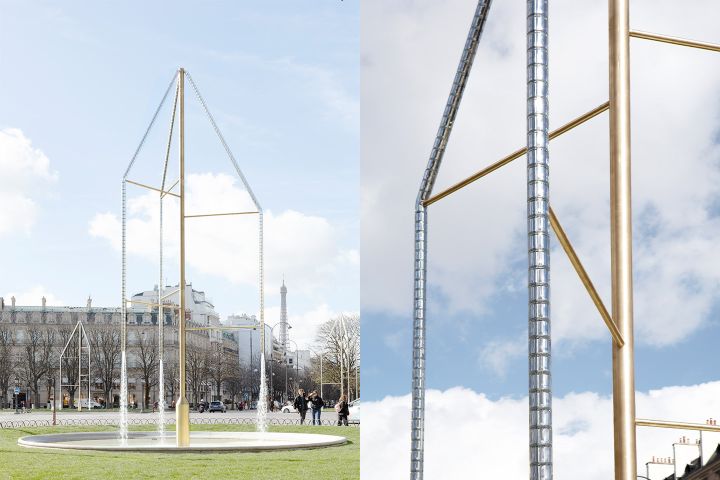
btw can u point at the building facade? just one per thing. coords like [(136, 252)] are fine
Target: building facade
[(32, 338)]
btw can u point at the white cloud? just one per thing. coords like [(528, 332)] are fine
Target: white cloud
[(468, 434), (25, 176), (33, 297), (477, 236), (301, 247), (497, 354)]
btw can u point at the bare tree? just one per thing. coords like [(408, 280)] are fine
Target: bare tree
[(218, 366), (339, 339), (7, 362), (197, 367), (69, 361), (233, 385), (105, 353), (148, 356), (172, 378), (36, 355)]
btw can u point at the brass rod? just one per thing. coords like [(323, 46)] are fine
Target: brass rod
[(152, 304), (182, 407), (515, 155), (170, 294), (236, 327), (675, 40), (644, 422), (575, 261), (623, 357), (169, 190), (150, 188), (220, 214)]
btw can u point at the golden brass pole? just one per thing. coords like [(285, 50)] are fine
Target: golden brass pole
[(182, 407), (621, 241)]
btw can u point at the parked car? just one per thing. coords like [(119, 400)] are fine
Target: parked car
[(216, 406), (288, 408), (354, 410), (93, 403)]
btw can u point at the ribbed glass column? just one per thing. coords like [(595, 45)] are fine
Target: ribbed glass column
[(540, 393), (426, 186)]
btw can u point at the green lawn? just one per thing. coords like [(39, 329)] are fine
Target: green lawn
[(331, 463)]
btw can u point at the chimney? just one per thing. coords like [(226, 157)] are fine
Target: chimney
[(44, 301), (12, 300)]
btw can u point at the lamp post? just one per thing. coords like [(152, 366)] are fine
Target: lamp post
[(272, 329), (17, 381), (286, 386), (272, 336), (297, 358)]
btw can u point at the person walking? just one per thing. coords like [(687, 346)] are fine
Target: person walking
[(317, 404), (343, 410), (300, 404)]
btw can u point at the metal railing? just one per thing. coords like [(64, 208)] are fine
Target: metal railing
[(153, 421)]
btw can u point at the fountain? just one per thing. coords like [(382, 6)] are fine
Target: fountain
[(182, 440), (262, 406)]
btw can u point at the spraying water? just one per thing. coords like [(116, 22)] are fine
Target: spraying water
[(123, 400), (161, 402), (261, 422)]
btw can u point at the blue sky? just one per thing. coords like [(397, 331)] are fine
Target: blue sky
[(81, 80), (477, 307)]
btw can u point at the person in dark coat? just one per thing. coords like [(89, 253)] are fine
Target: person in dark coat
[(317, 404), (300, 405), (343, 410)]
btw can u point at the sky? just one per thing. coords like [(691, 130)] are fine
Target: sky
[(477, 295), (80, 83)]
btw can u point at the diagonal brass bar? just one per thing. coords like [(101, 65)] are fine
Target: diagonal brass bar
[(170, 294), (570, 251), (169, 190), (515, 155), (675, 40), (152, 304), (236, 327), (220, 214), (644, 422), (151, 188)]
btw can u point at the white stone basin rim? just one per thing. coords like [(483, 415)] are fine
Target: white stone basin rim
[(205, 442)]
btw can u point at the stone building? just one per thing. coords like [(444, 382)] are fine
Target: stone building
[(32, 337)]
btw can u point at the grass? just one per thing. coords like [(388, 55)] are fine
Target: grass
[(331, 463)]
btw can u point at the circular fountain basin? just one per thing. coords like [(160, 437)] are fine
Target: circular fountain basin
[(199, 441)]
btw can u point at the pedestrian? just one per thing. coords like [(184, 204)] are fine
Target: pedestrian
[(317, 404), (300, 405), (343, 410)]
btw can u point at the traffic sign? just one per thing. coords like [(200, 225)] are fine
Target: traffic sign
[(17, 390)]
